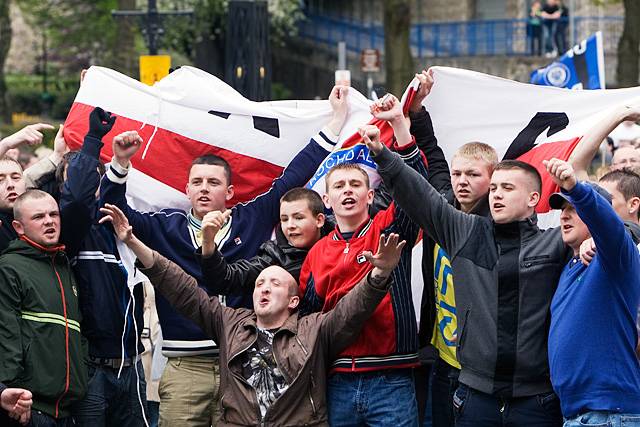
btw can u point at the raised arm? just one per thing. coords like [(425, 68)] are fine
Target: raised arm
[(78, 198), (43, 174), (266, 207), (180, 289), (113, 187), (588, 147), (422, 130), (342, 325), (616, 249)]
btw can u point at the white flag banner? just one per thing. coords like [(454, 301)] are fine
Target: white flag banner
[(190, 113)]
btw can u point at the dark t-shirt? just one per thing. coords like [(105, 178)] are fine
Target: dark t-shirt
[(260, 369), (550, 9)]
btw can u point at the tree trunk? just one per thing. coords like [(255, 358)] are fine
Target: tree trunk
[(125, 59), (397, 53), (628, 53), (5, 43)]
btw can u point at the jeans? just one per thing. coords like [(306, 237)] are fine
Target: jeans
[(604, 419), (444, 384), (549, 31), (112, 401), (381, 398), (473, 408)]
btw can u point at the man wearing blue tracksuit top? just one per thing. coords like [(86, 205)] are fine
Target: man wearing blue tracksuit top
[(592, 338), (108, 307), (189, 385)]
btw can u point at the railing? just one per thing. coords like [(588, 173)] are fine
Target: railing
[(444, 39)]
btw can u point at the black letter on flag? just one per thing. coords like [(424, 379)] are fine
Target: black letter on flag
[(526, 139)]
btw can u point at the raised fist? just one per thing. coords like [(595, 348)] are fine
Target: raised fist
[(100, 123)]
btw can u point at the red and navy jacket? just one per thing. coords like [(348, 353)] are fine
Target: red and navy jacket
[(389, 339)]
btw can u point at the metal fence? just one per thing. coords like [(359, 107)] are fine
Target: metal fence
[(446, 39)]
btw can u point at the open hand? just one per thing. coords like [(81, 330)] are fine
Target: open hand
[(561, 172), (388, 255), (118, 220)]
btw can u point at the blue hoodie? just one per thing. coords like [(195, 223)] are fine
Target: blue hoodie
[(593, 336)]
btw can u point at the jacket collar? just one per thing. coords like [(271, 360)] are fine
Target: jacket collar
[(361, 231), (291, 324), (527, 227), (481, 207), (48, 250)]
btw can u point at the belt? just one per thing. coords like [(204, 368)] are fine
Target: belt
[(112, 363)]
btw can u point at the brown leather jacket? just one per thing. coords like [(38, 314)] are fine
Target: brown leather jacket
[(303, 347)]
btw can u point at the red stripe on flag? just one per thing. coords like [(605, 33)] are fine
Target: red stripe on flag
[(560, 150), (170, 155)]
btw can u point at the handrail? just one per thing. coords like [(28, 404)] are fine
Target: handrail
[(508, 37)]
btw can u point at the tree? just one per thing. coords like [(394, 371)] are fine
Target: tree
[(629, 45), (5, 43), (203, 39), (397, 51)]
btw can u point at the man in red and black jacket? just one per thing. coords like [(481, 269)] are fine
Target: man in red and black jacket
[(371, 379)]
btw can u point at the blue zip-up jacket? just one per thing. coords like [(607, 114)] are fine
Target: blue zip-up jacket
[(593, 337), (102, 279), (169, 232)]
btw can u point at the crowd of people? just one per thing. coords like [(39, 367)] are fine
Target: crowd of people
[(518, 326), (547, 28)]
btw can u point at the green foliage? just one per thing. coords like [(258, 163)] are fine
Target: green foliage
[(25, 95), (79, 32), (209, 22), (280, 92)]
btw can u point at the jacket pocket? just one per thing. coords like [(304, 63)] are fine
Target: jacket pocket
[(313, 403), (532, 261), (463, 331)]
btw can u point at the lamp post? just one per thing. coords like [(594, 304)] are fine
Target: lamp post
[(151, 22)]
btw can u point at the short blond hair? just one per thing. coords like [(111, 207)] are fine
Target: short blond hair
[(478, 151), (349, 167)]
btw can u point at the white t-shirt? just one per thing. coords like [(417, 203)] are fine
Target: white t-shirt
[(625, 133)]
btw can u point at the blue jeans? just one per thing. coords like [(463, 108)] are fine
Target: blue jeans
[(549, 32), (382, 398), (111, 401), (604, 419), (473, 408), (445, 383)]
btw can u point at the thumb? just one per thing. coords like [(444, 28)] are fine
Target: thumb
[(60, 130), (226, 214)]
